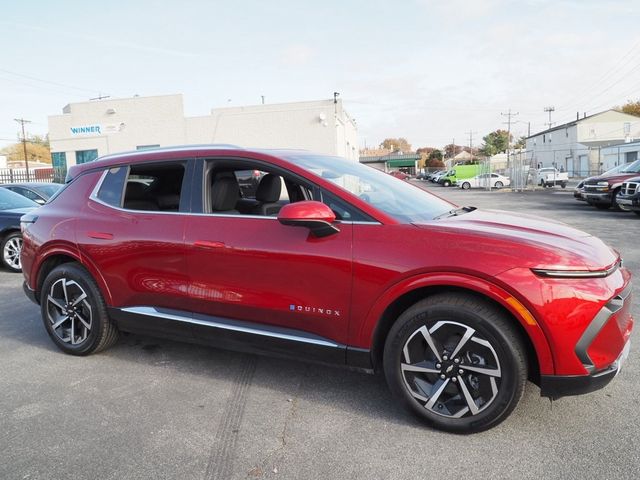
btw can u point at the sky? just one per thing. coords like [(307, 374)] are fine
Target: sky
[(428, 70)]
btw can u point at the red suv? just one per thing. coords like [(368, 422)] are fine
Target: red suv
[(329, 260)]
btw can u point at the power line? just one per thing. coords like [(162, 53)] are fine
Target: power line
[(46, 81)]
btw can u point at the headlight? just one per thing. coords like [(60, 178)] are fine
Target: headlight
[(577, 273), (603, 184)]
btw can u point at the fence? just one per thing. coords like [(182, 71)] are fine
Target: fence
[(19, 175)]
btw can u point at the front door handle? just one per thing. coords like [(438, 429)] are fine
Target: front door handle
[(208, 244)]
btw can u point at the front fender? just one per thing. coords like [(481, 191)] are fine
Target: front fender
[(365, 335)]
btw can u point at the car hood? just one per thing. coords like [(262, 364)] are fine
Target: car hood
[(614, 178), (536, 242)]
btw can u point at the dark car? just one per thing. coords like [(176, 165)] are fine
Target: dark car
[(38, 192), (603, 191), (578, 192), (629, 196), (12, 207), (328, 263)]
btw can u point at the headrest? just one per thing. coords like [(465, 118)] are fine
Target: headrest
[(225, 195), (269, 188)]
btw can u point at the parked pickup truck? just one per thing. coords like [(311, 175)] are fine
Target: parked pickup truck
[(629, 196), (550, 177)]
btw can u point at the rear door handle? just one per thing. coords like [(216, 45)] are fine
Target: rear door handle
[(208, 244), (100, 235)]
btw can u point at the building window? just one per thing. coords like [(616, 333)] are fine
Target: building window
[(84, 156), (147, 147), (627, 128), (59, 160), (544, 138)]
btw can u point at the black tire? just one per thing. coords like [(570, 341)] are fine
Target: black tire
[(563, 184), (440, 315), (10, 252), (637, 212), (466, 186), (499, 185), (601, 206), (446, 183), (63, 287)]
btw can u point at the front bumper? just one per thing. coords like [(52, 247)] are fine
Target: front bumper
[(557, 386), (594, 197)]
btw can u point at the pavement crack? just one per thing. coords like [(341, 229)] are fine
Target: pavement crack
[(278, 452)]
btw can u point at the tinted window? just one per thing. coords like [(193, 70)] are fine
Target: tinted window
[(9, 200), (111, 189), (154, 187)]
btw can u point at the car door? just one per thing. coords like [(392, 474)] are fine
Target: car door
[(252, 268), (137, 243)]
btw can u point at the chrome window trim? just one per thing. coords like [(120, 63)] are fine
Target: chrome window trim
[(94, 196), (153, 312)]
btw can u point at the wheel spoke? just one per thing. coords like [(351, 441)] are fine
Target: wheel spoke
[(55, 302), (492, 372), (429, 339), (415, 368), (83, 321), (64, 291), (467, 396), (465, 338), (433, 398), (72, 332), (79, 299), (60, 322)]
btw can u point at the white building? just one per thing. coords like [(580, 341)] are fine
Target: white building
[(576, 147), (87, 130)]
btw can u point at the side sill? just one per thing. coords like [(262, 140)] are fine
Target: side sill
[(239, 336)]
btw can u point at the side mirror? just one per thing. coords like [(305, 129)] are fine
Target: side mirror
[(316, 216)]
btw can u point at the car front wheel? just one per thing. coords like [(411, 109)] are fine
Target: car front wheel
[(499, 184), (457, 362), (11, 248), (616, 205), (74, 312), (466, 186)]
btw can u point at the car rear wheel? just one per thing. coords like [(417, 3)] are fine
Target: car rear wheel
[(457, 362), (446, 183), (11, 248), (499, 184), (74, 312), (601, 206), (466, 186)]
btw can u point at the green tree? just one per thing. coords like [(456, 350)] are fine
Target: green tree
[(396, 145), (631, 107), (521, 142), (452, 150), (495, 142)]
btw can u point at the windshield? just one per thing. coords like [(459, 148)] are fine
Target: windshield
[(632, 168), (49, 189), (395, 197), (9, 200)]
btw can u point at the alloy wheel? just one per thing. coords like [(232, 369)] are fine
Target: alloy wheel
[(11, 252), (69, 311), (451, 369)]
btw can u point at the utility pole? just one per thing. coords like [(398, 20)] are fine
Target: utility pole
[(549, 110), (470, 133), (22, 121), (262, 96), (508, 122)]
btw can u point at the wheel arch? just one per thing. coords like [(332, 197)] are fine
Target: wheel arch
[(389, 307), (60, 255)]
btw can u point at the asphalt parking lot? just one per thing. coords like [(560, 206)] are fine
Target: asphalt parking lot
[(150, 408)]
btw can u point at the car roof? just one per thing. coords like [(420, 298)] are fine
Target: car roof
[(169, 153)]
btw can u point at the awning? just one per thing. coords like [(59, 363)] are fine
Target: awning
[(401, 163)]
